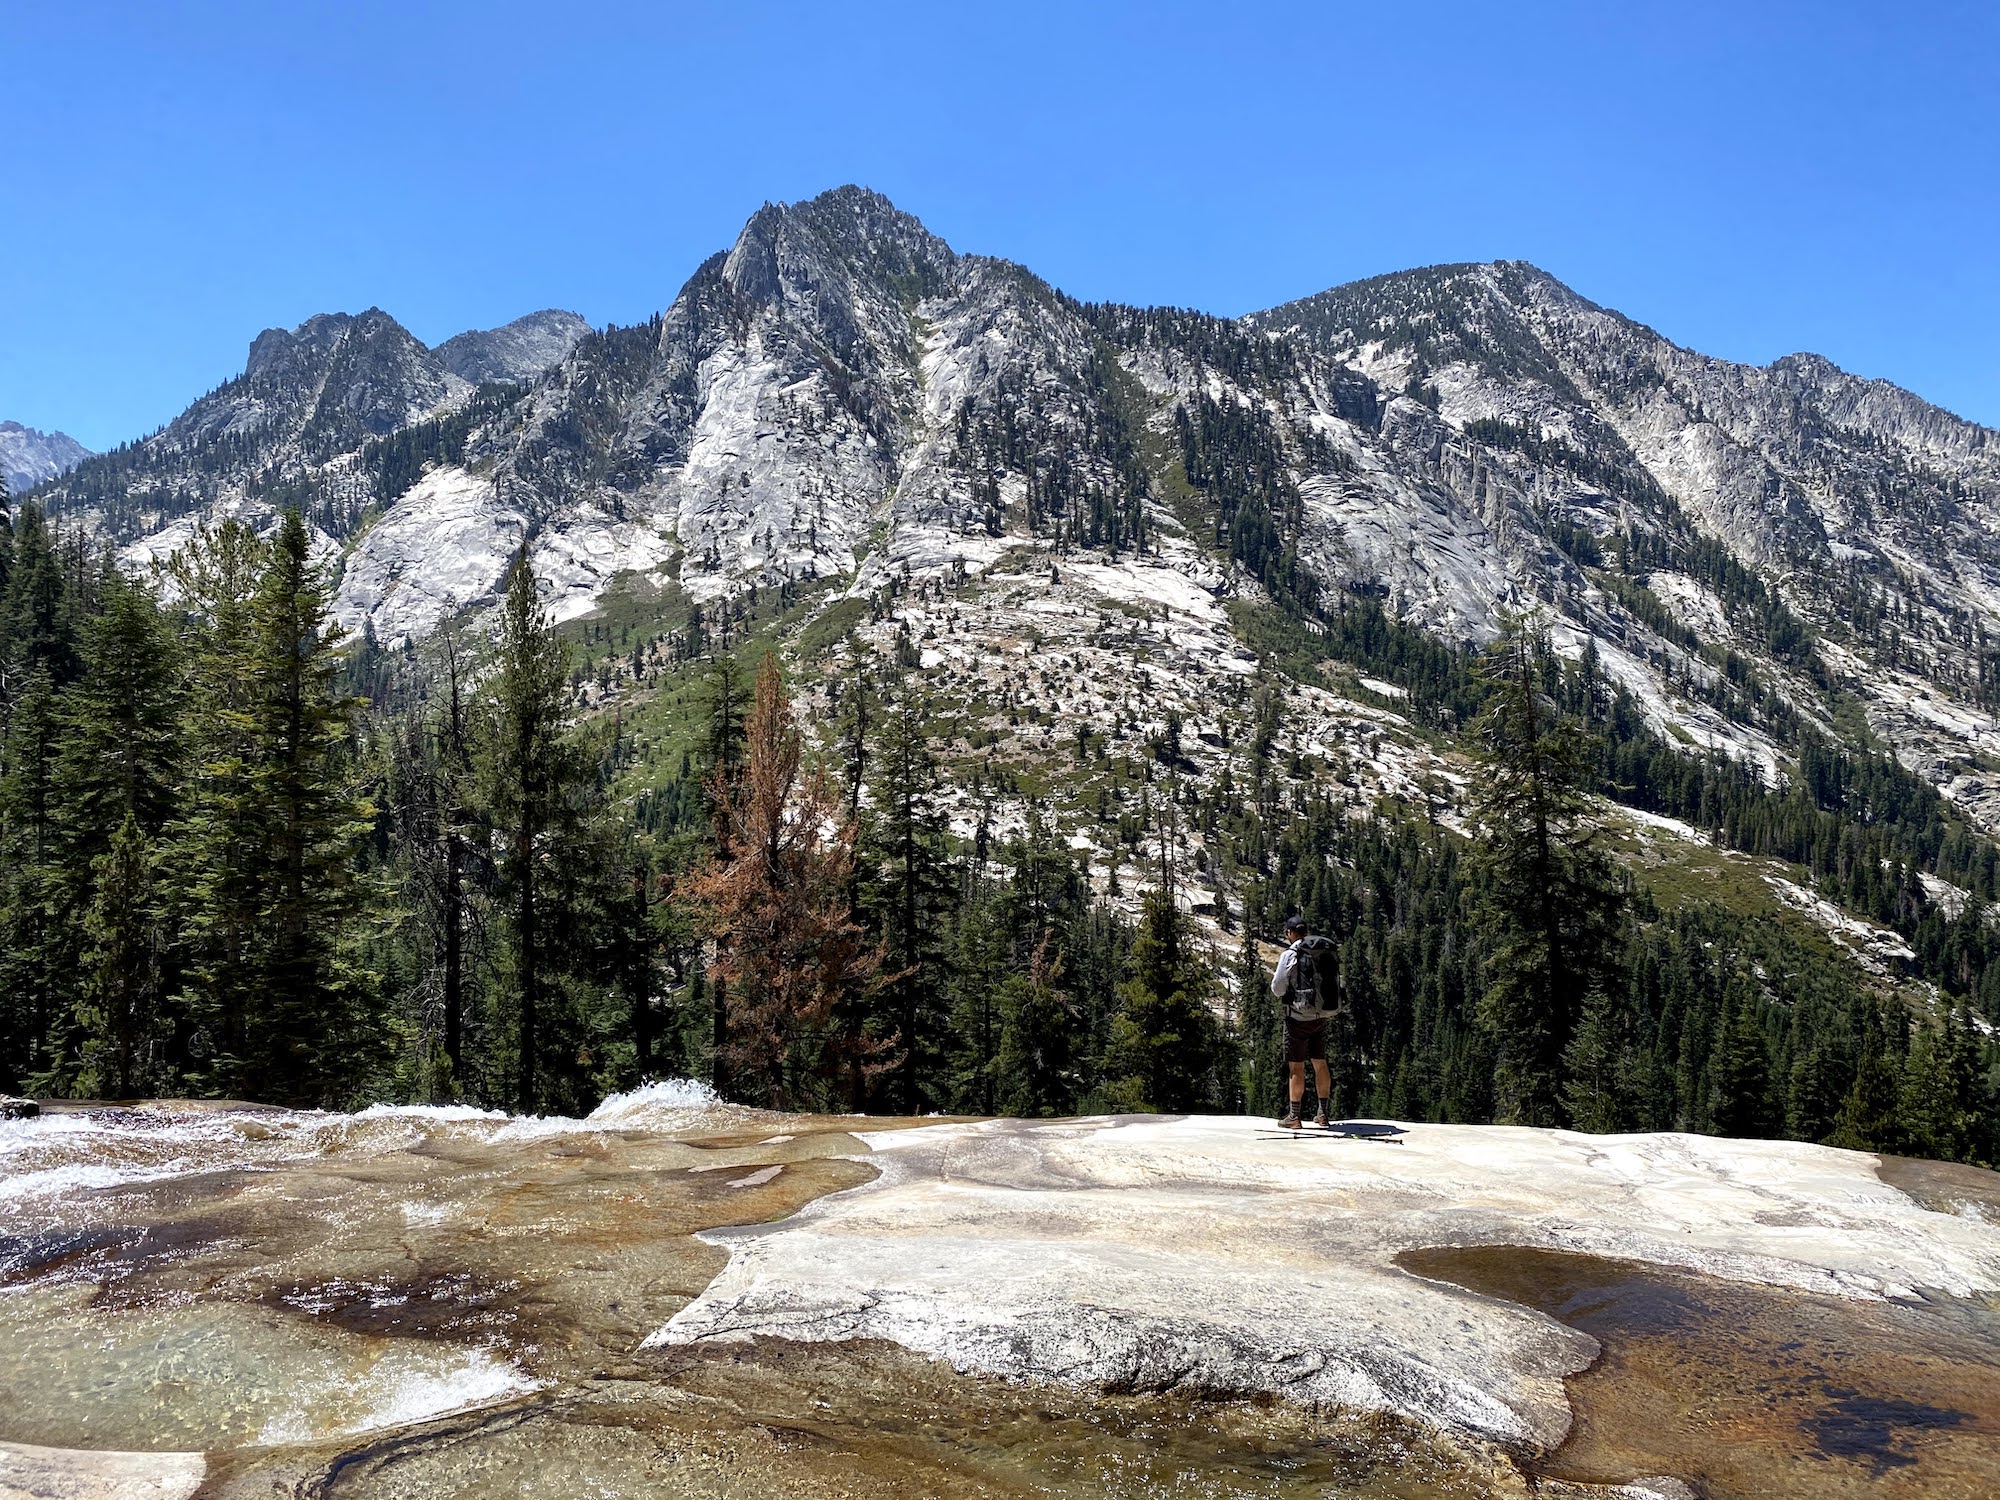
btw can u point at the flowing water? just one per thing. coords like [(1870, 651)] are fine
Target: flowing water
[(447, 1302)]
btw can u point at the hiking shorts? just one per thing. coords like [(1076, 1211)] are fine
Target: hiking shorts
[(1305, 1040)]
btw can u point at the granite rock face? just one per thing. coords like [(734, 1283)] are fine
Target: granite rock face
[(514, 353), (1216, 1254)]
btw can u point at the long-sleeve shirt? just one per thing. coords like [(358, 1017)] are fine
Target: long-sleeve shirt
[(1281, 982), (1281, 986)]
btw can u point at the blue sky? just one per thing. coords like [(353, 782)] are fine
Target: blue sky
[(1750, 179)]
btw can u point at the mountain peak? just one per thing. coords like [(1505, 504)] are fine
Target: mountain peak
[(29, 457), (277, 348), (515, 352), (286, 353), (847, 230)]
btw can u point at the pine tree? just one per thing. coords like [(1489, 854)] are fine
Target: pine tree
[(121, 747), (532, 781), (117, 763), (214, 868), (1812, 1093), (1035, 1066), (1550, 899), (1164, 1041), (858, 719), (1597, 1064), (433, 797), (37, 614), (789, 958), (982, 952), (311, 1032), (33, 883), (723, 739), (636, 937), (1261, 1022), (907, 891), (1869, 1119), (1938, 1105), (6, 573), (455, 834), (122, 1017), (1739, 1072)]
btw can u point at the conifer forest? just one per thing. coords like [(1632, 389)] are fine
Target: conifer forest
[(244, 854)]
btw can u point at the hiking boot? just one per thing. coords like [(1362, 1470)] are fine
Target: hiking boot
[(1291, 1120), (1320, 1118)]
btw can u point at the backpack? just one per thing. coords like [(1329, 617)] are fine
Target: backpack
[(1315, 979)]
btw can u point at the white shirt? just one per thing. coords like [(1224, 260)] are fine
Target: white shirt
[(1287, 961)]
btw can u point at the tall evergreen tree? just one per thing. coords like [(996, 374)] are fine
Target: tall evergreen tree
[(115, 782), (37, 614), (313, 1031), (859, 713), (121, 746), (1164, 1040), (434, 799), (215, 867), (1939, 1107), (1598, 1064), (908, 889), (1036, 1065), (1740, 1072), (722, 741), (33, 885), (123, 1020), (533, 783), (1550, 898), (1869, 1118), (1260, 1022), (982, 947)]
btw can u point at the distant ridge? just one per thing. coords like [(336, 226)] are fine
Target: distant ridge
[(29, 457), (517, 351)]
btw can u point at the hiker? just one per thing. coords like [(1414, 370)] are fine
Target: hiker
[(1306, 980)]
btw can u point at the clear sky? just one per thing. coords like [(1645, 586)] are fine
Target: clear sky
[(1749, 178)]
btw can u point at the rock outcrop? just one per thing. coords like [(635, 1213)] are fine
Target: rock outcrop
[(1218, 1254)]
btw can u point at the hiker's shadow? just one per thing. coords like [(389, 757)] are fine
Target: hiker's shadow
[(1367, 1130)]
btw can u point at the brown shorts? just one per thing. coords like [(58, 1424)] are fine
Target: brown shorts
[(1305, 1040)]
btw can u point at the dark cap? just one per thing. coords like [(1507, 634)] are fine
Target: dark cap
[(1295, 923)]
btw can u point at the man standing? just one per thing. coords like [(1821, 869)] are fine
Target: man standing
[(1306, 981)]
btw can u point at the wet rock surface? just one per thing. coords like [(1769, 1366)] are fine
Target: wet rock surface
[(1219, 1254), (1751, 1392), (677, 1296)]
